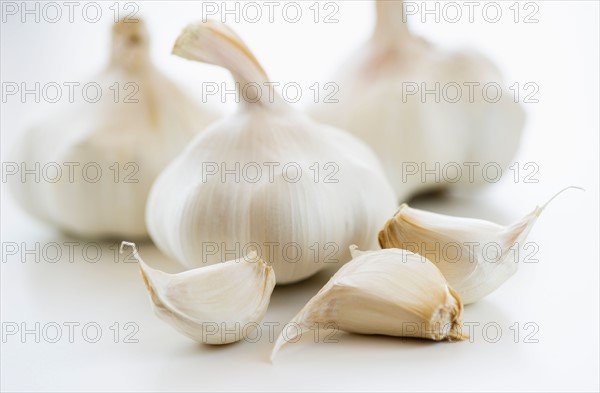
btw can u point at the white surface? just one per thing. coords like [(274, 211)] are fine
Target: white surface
[(559, 294)]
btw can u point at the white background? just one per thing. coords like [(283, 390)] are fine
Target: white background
[(559, 293)]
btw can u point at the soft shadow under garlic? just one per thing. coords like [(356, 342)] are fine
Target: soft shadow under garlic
[(473, 204)]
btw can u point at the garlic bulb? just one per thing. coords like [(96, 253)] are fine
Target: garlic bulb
[(391, 292), (204, 207), (475, 256), (99, 159), (432, 116), (219, 304)]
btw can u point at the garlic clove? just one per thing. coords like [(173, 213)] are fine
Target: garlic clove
[(218, 304), (321, 191), (475, 256), (108, 153), (391, 292)]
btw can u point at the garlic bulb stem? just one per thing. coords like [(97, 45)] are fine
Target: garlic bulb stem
[(391, 22), (130, 45), (217, 44)]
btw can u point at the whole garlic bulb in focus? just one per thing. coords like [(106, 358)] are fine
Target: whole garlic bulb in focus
[(267, 179), (99, 159), (430, 115)]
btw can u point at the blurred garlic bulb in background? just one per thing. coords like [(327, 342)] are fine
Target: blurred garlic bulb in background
[(392, 292), (475, 256), (220, 304), (98, 160), (384, 100), (266, 178)]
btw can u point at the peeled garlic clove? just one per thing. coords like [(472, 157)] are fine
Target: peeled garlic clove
[(424, 139), (391, 292), (218, 304), (314, 190), (97, 160), (475, 256)]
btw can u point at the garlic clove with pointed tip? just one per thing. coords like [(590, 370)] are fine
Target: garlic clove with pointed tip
[(391, 292), (217, 304), (475, 256)]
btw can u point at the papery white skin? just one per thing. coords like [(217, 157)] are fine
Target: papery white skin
[(218, 304), (295, 226), (464, 249), (391, 292), (410, 133), (141, 130)]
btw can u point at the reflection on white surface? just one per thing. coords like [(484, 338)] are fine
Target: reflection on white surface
[(111, 290)]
